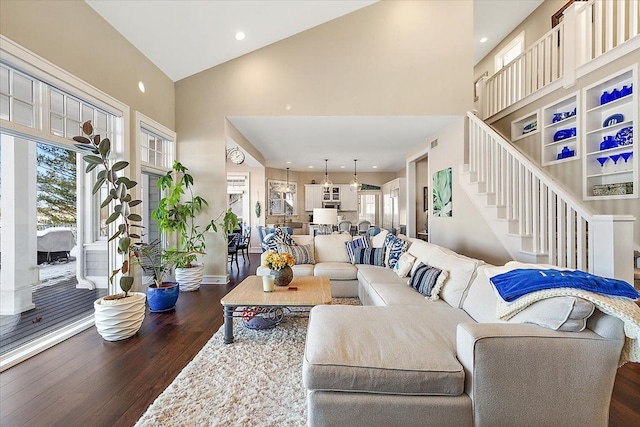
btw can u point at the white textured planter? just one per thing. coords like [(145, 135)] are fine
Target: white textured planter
[(190, 278), (120, 319)]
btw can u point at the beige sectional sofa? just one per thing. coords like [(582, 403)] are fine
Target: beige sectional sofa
[(403, 359)]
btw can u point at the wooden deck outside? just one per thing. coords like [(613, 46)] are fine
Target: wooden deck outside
[(57, 305)]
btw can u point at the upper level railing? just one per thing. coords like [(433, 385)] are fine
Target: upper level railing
[(588, 31), (559, 225)]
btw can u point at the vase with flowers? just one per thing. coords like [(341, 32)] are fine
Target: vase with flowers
[(280, 266)]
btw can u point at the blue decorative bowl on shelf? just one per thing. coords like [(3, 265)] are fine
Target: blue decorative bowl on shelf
[(608, 142), (613, 120), (625, 136), (564, 134)]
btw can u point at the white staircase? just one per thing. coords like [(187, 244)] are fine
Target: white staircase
[(535, 218)]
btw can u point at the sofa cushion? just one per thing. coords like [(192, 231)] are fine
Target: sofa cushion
[(428, 280), (344, 351), (303, 270), (387, 293), (336, 270), (561, 313), (369, 256), (404, 265), (303, 239), (331, 248), (303, 254), (357, 242), (480, 302), (461, 272)]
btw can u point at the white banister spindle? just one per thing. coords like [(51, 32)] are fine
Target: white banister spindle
[(598, 29), (580, 244), (535, 211), (621, 21), (551, 227), (633, 19), (561, 232), (588, 39), (521, 192), (527, 201), (544, 203), (571, 239), (608, 25)]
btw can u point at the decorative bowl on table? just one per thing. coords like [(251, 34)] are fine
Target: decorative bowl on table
[(625, 136)]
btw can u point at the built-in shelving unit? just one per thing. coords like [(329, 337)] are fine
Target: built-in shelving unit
[(525, 126), (611, 169), (558, 118)]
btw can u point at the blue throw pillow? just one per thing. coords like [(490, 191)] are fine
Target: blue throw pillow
[(278, 237), (394, 247), (358, 242), (516, 283), (370, 256), (425, 280)]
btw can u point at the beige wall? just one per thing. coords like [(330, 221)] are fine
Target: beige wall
[(75, 38), (465, 232), (385, 59)]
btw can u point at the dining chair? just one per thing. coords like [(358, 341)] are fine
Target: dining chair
[(363, 226), (244, 242), (232, 249), (344, 226)]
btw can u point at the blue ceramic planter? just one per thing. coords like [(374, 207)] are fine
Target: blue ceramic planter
[(164, 298)]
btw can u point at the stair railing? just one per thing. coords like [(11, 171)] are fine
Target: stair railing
[(559, 225)]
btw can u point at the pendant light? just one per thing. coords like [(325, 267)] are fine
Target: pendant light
[(287, 188), (326, 182), (354, 184)]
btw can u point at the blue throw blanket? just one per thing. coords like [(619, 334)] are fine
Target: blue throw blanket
[(516, 283)]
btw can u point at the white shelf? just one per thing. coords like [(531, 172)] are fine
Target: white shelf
[(550, 148), (519, 124), (594, 115)]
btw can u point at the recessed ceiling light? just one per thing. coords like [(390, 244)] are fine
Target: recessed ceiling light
[(288, 163), (484, 39), (375, 167), (341, 167), (240, 35), (310, 167), (141, 86)]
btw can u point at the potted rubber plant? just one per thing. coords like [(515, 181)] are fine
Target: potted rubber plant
[(117, 316), (158, 264)]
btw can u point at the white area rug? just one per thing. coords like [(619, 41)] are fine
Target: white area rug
[(256, 381)]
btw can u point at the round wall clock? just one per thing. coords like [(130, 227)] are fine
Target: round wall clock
[(236, 156)]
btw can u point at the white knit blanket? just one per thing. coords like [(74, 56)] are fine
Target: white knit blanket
[(622, 308)]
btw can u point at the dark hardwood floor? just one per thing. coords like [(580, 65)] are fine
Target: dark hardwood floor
[(88, 381)]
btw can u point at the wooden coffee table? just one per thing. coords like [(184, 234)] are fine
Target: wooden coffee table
[(312, 290)]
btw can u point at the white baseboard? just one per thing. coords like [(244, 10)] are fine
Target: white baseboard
[(215, 280)]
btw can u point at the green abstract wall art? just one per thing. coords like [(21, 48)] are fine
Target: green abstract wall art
[(442, 193)]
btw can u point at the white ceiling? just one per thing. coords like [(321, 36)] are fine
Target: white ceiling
[(185, 37), (307, 141), (495, 19)]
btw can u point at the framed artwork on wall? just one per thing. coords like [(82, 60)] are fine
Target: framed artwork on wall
[(442, 192)]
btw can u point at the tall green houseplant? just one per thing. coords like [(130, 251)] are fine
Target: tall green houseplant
[(176, 212), (116, 316)]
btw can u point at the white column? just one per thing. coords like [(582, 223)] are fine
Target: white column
[(612, 248), (19, 242)]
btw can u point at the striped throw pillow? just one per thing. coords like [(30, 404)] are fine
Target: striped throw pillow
[(358, 242), (278, 237), (428, 280), (303, 254), (370, 256)]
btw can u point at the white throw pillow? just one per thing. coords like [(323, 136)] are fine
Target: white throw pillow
[(404, 264)]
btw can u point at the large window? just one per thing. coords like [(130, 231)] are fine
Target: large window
[(156, 150), (17, 97), (510, 52)]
